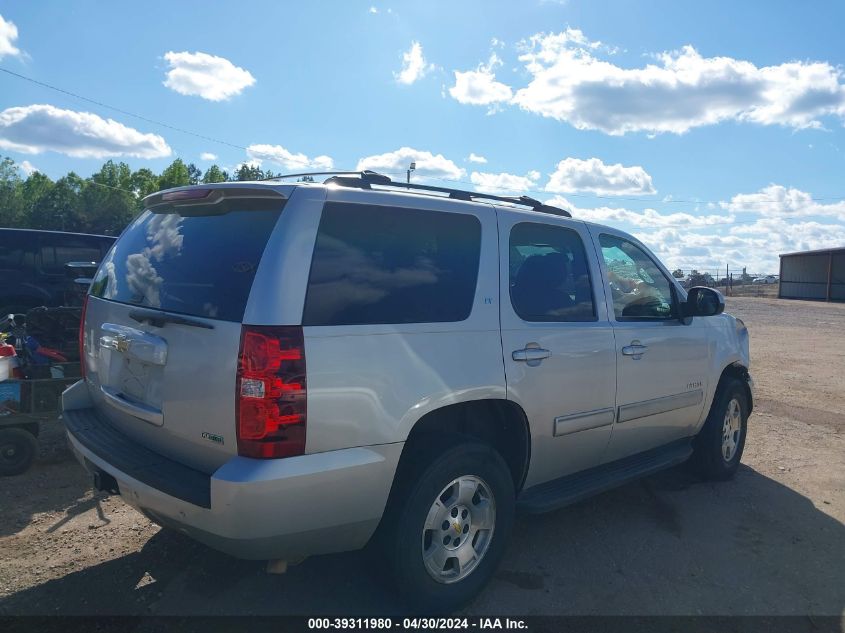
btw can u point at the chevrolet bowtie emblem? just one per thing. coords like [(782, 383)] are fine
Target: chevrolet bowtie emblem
[(457, 527), (122, 345)]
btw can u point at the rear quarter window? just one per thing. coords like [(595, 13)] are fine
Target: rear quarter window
[(382, 265), (201, 265)]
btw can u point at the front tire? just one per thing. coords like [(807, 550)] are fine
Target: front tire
[(719, 445), (450, 521)]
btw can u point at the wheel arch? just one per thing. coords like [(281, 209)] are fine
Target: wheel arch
[(500, 423), (739, 371)]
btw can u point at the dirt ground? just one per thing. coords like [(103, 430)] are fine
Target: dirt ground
[(770, 542)]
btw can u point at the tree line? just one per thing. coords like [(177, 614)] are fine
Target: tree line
[(103, 203)]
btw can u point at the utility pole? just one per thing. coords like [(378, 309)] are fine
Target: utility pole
[(411, 168)]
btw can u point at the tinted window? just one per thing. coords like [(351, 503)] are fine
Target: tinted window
[(11, 251), (549, 275), (377, 264), (17, 250), (58, 250), (199, 264), (639, 288)]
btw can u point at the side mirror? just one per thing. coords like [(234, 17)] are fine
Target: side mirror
[(703, 301)]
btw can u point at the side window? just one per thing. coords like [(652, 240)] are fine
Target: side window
[(639, 289), (11, 252), (549, 275), (380, 265), (56, 251)]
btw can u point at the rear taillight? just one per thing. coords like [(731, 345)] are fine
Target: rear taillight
[(271, 392), (82, 335)]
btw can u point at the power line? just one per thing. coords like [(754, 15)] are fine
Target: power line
[(540, 192), (100, 184), (759, 201), (116, 109)]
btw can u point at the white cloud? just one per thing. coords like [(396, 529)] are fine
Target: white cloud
[(552, 41), (676, 92), (373, 10), (207, 76), (414, 65), (479, 86), (778, 201), (281, 156), (39, 128), (783, 220), (475, 158), (574, 175), (647, 218), (428, 165), (8, 35), (754, 246), (27, 168), (208, 156), (504, 183)]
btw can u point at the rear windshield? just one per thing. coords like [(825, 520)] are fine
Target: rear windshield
[(200, 265)]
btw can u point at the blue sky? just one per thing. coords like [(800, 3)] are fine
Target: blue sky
[(713, 131)]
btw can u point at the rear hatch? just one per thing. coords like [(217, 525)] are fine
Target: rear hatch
[(163, 321)]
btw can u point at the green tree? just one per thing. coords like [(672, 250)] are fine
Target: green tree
[(10, 204), (34, 189), (175, 175), (194, 174), (249, 172), (678, 273), (109, 201), (144, 182), (61, 208), (700, 279), (214, 174)]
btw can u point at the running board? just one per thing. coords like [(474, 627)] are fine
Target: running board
[(572, 488)]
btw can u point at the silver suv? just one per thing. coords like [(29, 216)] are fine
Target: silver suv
[(280, 370)]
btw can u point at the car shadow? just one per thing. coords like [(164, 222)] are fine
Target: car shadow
[(668, 544), (53, 486)]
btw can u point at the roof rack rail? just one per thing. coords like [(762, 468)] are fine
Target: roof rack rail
[(314, 173), (365, 179)]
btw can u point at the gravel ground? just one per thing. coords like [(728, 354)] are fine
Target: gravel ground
[(770, 542)]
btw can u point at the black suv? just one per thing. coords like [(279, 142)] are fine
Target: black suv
[(32, 265)]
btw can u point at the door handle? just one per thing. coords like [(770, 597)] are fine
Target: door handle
[(635, 350), (530, 355)]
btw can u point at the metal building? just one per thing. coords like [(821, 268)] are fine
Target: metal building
[(813, 275)]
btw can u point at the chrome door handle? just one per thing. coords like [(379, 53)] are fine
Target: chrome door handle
[(635, 350), (530, 355)]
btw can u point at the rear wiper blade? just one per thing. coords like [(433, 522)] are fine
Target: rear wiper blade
[(158, 319)]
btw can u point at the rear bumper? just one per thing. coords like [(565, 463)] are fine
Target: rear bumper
[(258, 509)]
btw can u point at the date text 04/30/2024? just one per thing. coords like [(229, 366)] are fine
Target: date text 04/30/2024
[(417, 623)]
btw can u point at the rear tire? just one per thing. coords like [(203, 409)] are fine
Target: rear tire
[(18, 450), (448, 524), (718, 448)]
